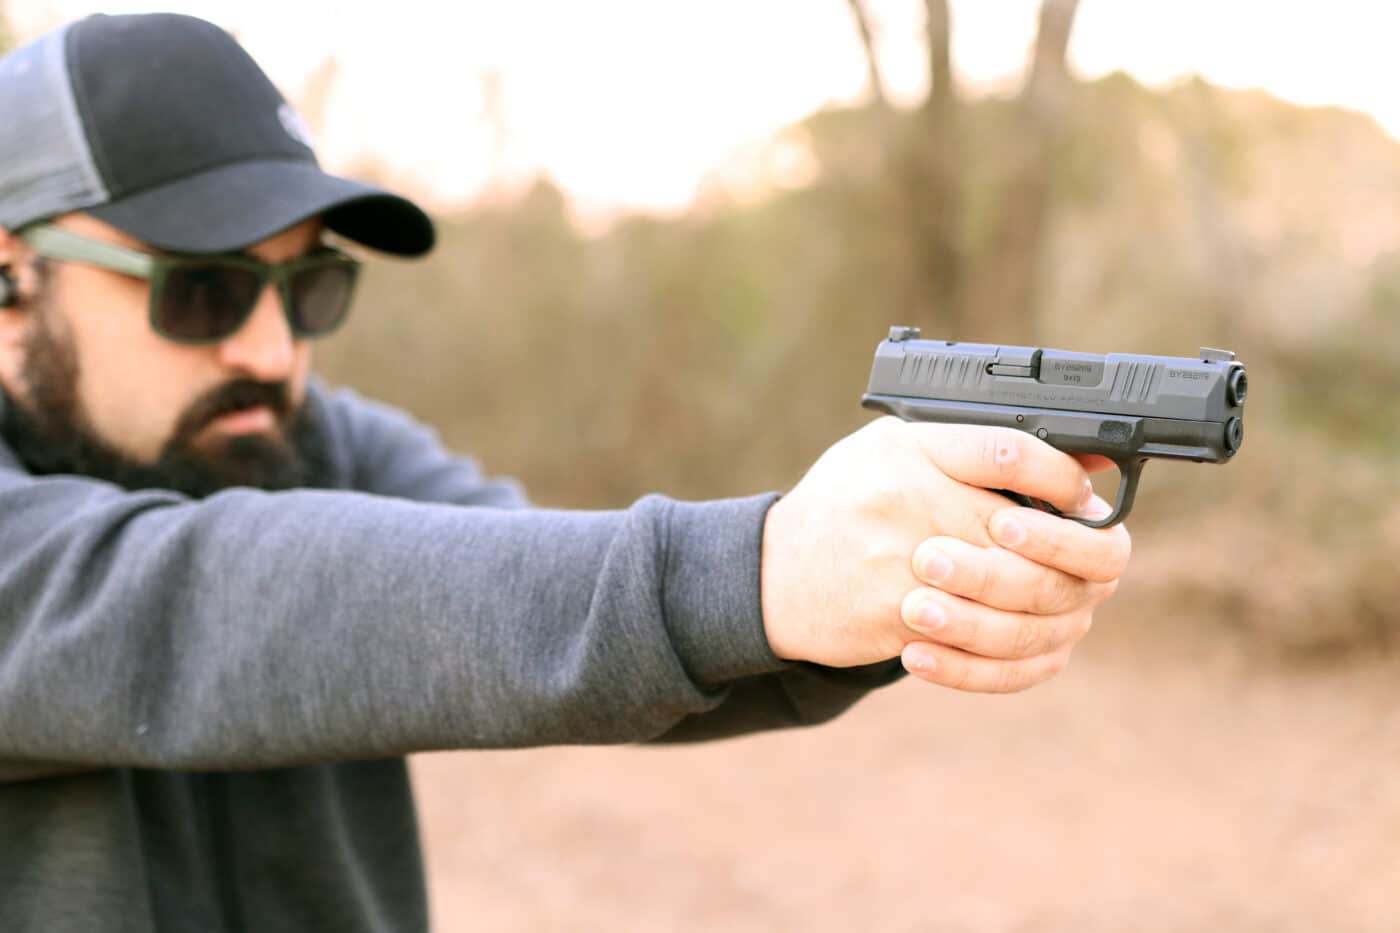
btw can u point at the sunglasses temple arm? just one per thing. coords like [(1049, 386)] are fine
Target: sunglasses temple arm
[(56, 243)]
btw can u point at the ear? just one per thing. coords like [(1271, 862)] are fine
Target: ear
[(18, 262)]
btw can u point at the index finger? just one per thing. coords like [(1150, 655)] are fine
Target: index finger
[(1095, 463), (1004, 458)]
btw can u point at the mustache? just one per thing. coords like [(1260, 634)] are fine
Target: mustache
[(235, 396)]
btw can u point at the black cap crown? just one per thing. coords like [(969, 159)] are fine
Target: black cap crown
[(163, 126)]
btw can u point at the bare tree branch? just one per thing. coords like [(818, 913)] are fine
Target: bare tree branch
[(938, 29), (1047, 80), (933, 181), (1006, 298), (872, 58)]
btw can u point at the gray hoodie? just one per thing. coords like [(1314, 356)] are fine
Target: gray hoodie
[(204, 704)]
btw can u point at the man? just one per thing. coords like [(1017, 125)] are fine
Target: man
[(231, 600)]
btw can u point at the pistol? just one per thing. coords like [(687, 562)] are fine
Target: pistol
[(1128, 408)]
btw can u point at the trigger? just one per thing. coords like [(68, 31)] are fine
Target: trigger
[(1130, 472)]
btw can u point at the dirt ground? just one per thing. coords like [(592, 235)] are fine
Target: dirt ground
[(1156, 785)]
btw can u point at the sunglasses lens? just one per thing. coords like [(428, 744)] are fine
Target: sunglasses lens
[(206, 302), (320, 297)]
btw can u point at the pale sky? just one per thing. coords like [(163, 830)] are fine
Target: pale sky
[(629, 104)]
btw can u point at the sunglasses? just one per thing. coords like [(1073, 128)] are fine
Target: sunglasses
[(205, 299)]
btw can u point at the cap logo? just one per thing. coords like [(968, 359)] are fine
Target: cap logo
[(295, 126)]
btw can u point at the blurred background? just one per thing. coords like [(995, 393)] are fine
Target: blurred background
[(672, 234)]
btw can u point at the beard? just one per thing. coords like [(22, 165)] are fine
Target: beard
[(50, 434)]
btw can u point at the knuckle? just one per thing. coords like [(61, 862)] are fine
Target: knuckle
[(1105, 571), (959, 674), (1029, 639), (1115, 558), (966, 522), (978, 581), (1054, 548), (882, 495), (879, 548), (1078, 626), (987, 451), (1011, 679), (1055, 593), (963, 631), (1001, 452), (1125, 548)]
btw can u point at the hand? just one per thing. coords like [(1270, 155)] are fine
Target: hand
[(836, 554), (1001, 619)]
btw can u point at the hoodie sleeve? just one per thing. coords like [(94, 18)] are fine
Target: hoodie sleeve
[(255, 629), (392, 454)]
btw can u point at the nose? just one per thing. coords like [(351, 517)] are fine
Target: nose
[(264, 347)]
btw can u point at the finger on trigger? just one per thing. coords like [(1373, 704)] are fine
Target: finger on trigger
[(1004, 458), (1095, 463), (1095, 509)]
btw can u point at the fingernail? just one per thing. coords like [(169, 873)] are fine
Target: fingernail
[(1088, 495), (920, 662), (1010, 532), (930, 616), (935, 567)]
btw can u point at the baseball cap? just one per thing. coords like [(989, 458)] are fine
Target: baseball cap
[(164, 127)]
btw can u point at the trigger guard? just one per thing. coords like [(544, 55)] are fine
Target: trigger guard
[(1130, 473)]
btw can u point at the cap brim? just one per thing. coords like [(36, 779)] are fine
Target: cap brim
[(233, 207)]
